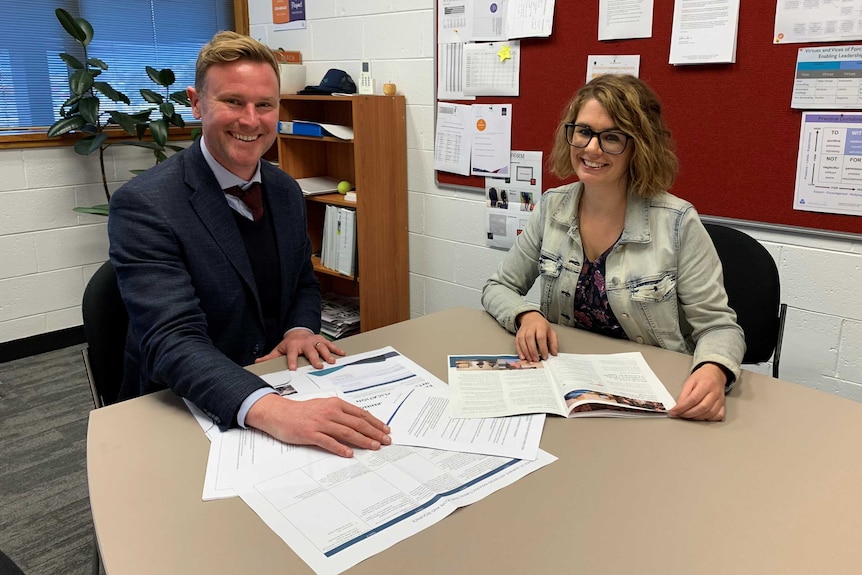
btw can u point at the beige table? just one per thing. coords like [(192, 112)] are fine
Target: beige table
[(774, 489)]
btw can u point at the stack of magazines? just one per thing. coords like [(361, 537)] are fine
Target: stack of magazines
[(339, 315)]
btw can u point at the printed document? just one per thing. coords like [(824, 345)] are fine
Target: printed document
[(492, 140), (622, 19), (335, 512), (511, 201), (453, 138), (704, 32), (492, 69), (829, 169), (598, 65), (570, 385), (529, 18), (421, 418), (817, 21), (828, 77), (454, 21)]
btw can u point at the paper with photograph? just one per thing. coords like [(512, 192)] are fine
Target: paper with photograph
[(570, 385)]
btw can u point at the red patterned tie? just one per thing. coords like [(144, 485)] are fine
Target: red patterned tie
[(251, 197)]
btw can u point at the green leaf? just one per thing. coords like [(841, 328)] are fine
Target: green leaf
[(73, 101), (100, 210), (152, 97), (196, 132), (167, 77), (88, 31), (159, 130), (89, 108), (137, 172), (174, 147), (153, 74), (96, 63), (181, 97), (160, 156), (143, 116), (167, 109), (71, 61), (81, 81), (164, 77), (88, 145), (110, 93), (177, 120), (126, 122), (90, 129), (70, 25), (65, 125)]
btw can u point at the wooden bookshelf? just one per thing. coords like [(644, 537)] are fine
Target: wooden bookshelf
[(375, 162)]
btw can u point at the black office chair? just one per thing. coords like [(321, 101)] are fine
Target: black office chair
[(105, 325), (753, 291)]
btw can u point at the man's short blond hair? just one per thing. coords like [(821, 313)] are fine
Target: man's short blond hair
[(228, 47)]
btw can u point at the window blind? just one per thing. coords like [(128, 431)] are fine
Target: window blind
[(128, 36)]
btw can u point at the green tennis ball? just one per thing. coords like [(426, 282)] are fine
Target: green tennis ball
[(343, 187)]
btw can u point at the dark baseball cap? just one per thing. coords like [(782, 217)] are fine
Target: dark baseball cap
[(333, 81)]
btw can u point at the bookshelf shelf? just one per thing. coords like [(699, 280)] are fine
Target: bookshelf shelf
[(375, 162)]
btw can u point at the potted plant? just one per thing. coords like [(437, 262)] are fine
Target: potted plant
[(82, 112)]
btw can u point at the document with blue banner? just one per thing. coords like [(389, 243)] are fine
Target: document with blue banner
[(335, 512)]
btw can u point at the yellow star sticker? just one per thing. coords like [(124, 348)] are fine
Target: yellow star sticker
[(505, 53)]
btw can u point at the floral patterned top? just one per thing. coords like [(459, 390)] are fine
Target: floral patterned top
[(592, 311)]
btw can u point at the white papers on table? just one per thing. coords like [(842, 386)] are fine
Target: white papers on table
[(453, 138), (829, 166), (492, 140), (704, 32), (822, 21), (492, 69), (337, 512), (509, 205), (598, 65), (421, 418), (828, 77), (620, 19)]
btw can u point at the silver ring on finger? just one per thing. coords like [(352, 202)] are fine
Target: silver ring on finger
[(318, 343)]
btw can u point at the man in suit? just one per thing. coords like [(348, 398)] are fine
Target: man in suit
[(213, 262)]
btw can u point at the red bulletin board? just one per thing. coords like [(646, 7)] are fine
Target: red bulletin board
[(735, 132)]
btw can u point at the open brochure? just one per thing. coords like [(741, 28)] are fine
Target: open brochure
[(570, 385)]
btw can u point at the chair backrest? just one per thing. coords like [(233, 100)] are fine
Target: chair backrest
[(105, 325), (753, 291)]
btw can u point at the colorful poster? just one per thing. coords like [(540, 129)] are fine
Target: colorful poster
[(288, 14), (829, 172)]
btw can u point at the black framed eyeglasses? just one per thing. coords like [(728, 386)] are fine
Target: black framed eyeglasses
[(610, 141)]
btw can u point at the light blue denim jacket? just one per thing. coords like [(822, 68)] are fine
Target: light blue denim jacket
[(663, 278)]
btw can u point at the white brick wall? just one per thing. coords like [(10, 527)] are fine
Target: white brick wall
[(47, 251), (448, 259)]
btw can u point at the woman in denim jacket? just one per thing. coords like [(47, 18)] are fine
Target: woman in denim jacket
[(617, 254)]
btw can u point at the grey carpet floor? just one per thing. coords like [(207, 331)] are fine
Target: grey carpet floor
[(45, 522)]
